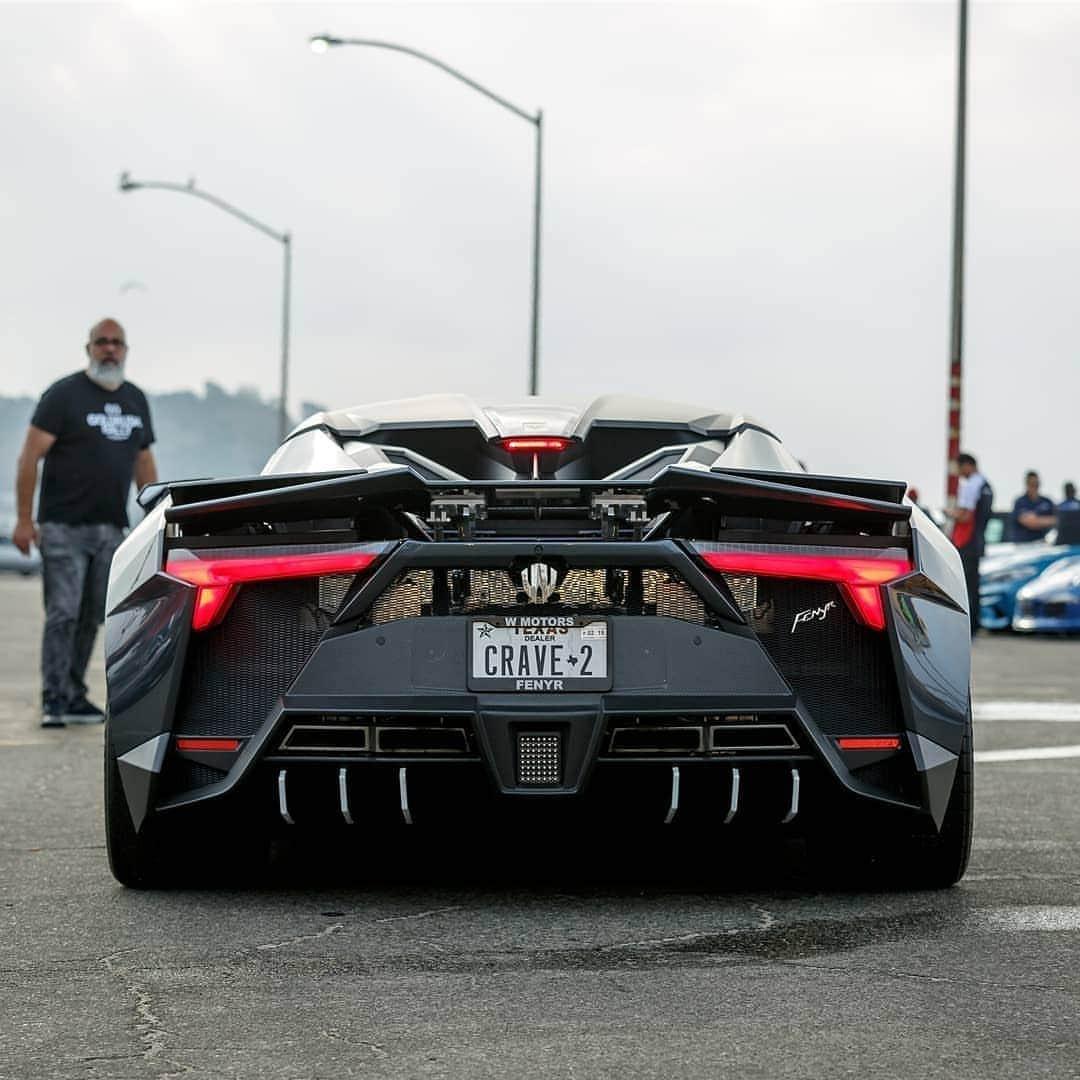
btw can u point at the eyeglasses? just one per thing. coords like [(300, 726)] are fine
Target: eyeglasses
[(119, 342)]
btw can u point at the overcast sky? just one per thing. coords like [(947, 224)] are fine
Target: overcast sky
[(745, 205)]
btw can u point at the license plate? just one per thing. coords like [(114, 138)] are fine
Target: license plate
[(539, 653)]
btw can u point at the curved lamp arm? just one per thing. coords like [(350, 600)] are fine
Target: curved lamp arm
[(320, 42)]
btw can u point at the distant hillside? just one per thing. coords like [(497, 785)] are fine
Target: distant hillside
[(210, 434)]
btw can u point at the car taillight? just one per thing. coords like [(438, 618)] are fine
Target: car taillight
[(534, 444), (883, 742), (859, 576), (217, 575), (213, 746)]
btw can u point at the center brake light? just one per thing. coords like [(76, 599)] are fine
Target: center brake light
[(216, 576), (859, 576), (534, 444)]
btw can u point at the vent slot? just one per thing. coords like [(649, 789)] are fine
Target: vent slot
[(667, 739), (701, 736), (421, 740), (747, 737), (334, 733), (325, 738)]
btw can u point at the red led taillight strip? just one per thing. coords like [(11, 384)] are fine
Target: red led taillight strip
[(223, 745), (217, 576), (535, 444), (888, 742), (860, 577)]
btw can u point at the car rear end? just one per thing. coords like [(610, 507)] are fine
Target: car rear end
[(720, 653)]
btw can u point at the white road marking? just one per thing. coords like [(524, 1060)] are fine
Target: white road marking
[(1029, 753), (1054, 712), (1026, 918)]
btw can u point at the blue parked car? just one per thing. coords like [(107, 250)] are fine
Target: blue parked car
[(1052, 601), (1002, 576)]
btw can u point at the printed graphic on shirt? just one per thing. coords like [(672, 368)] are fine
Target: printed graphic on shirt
[(115, 424)]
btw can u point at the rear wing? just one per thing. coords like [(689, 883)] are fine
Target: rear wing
[(746, 499)]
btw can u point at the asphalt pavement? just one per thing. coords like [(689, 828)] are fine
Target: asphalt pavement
[(562, 974)]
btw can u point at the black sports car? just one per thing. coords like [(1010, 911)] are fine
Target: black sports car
[(426, 613)]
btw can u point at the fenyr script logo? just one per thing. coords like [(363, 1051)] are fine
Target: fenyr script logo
[(813, 614)]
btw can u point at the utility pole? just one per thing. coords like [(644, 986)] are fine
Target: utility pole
[(956, 335)]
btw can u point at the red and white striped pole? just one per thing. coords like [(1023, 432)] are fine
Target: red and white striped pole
[(952, 479)]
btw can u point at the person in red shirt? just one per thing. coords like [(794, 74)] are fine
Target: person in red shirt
[(974, 501)]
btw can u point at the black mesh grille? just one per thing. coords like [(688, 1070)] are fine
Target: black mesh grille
[(895, 774), (180, 775), (236, 671), (842, 670)]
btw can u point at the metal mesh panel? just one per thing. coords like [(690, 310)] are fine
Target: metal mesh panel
[(407, 597), (236, 671), (602, 590), (842, 670), (743, 591), (588, 588), (490, 589), (672, 597), (332, 591)]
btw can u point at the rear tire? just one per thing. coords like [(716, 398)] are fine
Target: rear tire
[(936, 860), (885, 855), (128, 856), (163, 855)]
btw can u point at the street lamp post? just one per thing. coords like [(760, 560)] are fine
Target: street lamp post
[(283, 238), (956, 332), (321, 42)]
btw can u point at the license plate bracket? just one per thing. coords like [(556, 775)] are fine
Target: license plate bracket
[(539, 654)]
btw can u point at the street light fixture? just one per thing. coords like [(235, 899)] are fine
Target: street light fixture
[(321, 43), (283, 238)]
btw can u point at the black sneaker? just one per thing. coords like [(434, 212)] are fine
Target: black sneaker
[(52, 719), (83, 712)]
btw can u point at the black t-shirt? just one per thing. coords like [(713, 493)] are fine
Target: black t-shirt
[(88, 470)]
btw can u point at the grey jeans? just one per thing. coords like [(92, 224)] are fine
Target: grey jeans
[(75, 571)]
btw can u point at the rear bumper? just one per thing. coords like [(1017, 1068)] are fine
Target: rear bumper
[(664, 670)]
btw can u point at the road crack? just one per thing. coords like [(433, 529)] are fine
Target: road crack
[(149, 1029), (301, 938), (338, 928)]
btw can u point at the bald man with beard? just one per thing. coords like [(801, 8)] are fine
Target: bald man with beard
[(94, 433)]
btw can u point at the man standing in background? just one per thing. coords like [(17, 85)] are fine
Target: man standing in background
[(1033, 513), (974, 501), (93, 429)]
